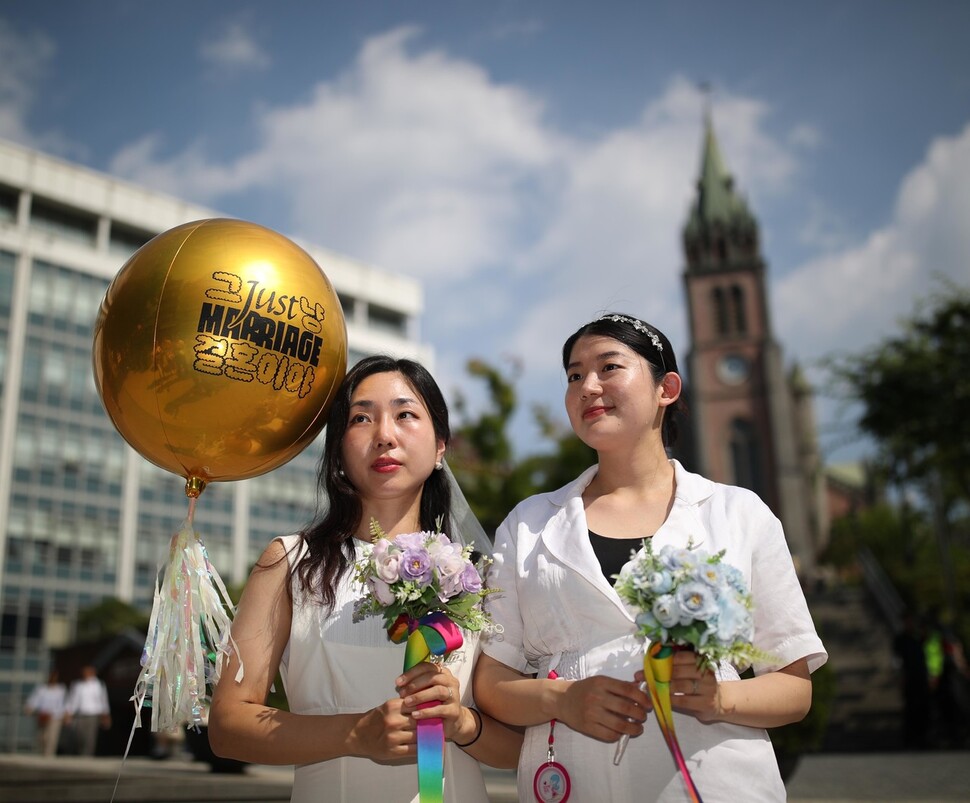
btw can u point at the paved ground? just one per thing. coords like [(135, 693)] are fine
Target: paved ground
[(848, 777), (825, 778)]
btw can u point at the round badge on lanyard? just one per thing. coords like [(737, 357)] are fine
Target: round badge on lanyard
[(551, 783)]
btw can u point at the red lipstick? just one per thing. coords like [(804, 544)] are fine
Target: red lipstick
[(385, 465)]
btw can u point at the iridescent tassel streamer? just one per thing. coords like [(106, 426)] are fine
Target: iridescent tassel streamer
[(431, 635), (657, 668), (188, 635)]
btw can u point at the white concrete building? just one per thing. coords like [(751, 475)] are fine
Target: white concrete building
[(82, 515)]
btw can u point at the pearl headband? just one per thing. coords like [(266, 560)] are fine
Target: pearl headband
[(637, 324)]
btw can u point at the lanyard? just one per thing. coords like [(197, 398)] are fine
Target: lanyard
[(551, 783)]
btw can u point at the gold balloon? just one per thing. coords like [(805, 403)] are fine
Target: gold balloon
[(217, 350)]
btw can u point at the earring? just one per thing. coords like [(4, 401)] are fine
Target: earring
[(438, 466), (340, 472)]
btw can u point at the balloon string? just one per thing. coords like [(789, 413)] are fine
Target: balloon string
[(139, 700), (141, 689)]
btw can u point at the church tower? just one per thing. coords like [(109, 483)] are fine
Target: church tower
[(752, 424)]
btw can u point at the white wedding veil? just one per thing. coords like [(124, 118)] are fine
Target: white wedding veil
[(465, 526)]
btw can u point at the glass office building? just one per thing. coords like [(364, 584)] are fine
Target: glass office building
[(82, 515)]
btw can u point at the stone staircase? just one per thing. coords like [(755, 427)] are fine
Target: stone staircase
[(866, 714)]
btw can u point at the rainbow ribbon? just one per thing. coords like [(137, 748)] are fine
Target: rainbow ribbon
[(432, 634), (657, 667)]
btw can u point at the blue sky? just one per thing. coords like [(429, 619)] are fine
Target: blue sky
[(532, 163)]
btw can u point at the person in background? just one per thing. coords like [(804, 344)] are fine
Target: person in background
[(914, 681), (87, 709), (46, 704), (555, 555), (949, 675)]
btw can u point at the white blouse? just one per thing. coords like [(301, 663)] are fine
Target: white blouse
[(560, 612)]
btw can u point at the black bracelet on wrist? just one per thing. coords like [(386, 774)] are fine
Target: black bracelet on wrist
[(478, 732)]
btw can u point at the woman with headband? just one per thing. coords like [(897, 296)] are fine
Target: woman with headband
[(569, 654)]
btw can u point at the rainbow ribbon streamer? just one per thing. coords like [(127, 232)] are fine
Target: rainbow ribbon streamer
[(657, 667), (432, 634)]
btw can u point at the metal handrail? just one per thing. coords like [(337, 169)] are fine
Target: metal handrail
[(887, 598)]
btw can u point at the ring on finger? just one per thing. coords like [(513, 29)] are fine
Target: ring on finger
[(451, 693), (694, 688)]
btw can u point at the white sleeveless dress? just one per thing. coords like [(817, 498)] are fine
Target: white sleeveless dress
[(333, 665)]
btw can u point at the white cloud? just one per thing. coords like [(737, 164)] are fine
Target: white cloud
[(189, 174), (415, 162), (805, 136), (234, 49), (824, 229), (412, 162), (848, 301), (759, 161), (25, 57), (613, 242), (934, 206), (419, 162), (841, 300)]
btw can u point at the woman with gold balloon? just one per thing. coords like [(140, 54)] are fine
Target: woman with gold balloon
[(351, 727), (216, 352)]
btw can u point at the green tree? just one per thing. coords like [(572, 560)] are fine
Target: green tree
[(896, 534), (107, 618), (914, 388), (914, 391), (481, 454), (568, 458), (483, 459)]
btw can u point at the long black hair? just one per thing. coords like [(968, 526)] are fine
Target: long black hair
[(647, 341), (328, 538)]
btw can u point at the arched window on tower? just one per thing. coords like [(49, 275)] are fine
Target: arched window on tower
[(745, 464), (720, 310), (737, 310), (721, 249)]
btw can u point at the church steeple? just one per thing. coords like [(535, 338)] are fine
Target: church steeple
[(752, 424), (720, 231)]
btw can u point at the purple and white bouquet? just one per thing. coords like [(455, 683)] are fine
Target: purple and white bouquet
[(690, 598), (428, 590), (415, 574)]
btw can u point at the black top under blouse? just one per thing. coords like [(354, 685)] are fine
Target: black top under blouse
[(612, 553)]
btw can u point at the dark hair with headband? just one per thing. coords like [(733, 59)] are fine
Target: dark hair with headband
[(647, 341)]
